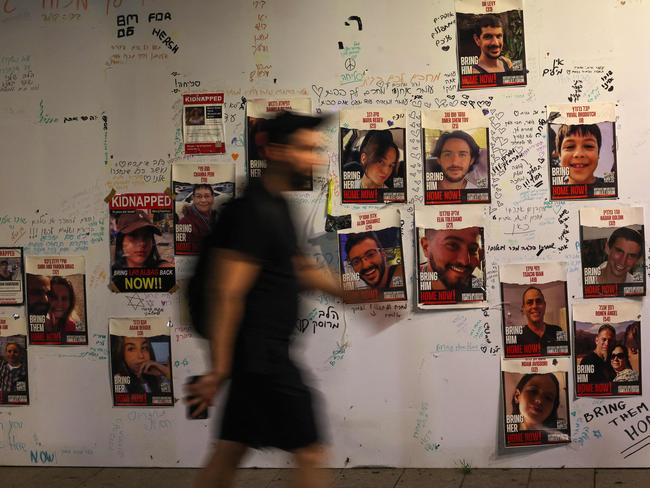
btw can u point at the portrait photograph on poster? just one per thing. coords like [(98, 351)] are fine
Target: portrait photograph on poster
[(535, 311)]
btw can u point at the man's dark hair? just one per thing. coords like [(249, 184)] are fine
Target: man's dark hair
[(581, 130), (606, 327), (531, 288), (489, 20), (198, 186), (627, 234), (354, 239), (280, 129), (458, 134)]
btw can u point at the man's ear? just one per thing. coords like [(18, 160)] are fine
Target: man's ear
[(476, 39), (424, 242)]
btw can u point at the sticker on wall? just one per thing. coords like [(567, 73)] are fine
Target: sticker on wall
[(203, 127), (12, 291)]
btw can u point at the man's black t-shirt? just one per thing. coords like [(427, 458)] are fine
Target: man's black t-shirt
[(258, 225)]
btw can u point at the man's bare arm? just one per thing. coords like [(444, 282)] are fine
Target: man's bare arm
[(311, 275)]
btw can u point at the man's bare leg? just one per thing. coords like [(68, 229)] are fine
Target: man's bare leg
[(220, 470), (310, 461)]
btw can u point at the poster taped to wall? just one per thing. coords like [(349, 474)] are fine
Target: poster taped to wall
[(14, 384), (612, 251), (141, 362), (12, 291), (142, 249), (456, 157), (203, 127), (607, 335), (582, 151), (56, 300), (535, 311), (373, 154), (199, 190), (372, 257), (490, 37), (450, 257), (536, 401), (259, 110)]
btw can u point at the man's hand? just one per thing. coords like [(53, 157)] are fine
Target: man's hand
[(202, 392)]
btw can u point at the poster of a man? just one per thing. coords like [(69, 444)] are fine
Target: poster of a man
[(451, 260), (490, 38), (612, 251), (456, 157), (14, 389), (372, 264), (535, 311)]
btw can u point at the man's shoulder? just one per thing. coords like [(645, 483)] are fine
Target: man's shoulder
[(553, 327), (590, 358)]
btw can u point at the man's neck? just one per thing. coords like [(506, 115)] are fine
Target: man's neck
[(602, 356), (275, 180), (608, 277)]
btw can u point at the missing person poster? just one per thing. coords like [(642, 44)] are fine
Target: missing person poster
[(607, 336), (456, 156), (12, 291), (535, 401), (14, 389), (142, 249), (203, 127), (56, 300), (373, 155), (490, 37), (451, 257), (582, 151), (612, 251), (535, 311), (257, 112), (199, 190), (372, 257), (141, 362)]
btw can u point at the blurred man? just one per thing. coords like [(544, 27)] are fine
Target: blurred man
[(488, 36), (536, 331), (624, 249), (452, 255), (599, 357), (368, 258), (257, 272)]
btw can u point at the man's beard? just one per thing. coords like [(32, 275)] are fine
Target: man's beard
[(381, 270), (462, 284), (299, 181)]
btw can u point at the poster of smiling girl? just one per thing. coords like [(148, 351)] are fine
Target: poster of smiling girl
[(582, 151), (141, 362), (456, 156), (536, 401), (373, 154)]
